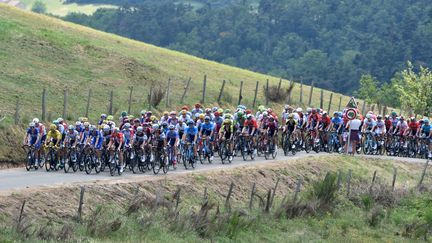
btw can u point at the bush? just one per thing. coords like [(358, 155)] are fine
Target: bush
[(39, 7), (157, 96), (325, 192), (275, 95)]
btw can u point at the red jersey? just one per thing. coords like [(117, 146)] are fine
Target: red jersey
[(414, 126), (252, 123), (326, 121), (118, 137), (272, 125)]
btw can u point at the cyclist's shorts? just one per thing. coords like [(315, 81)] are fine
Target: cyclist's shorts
[(250, 132), (98, 145), (43, 138), (271, 132), (116, 144), (190, 138), (33, 143), (171, 141), (227, 135)]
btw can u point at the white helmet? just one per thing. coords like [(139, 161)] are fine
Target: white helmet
[(35, 120), (106, 128), (309, 110), (368, 116), (299, 110)]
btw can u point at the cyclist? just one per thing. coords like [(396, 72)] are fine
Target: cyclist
[(379, 129), (139, 138), (184, 116), (226, 133), (96, 140), (206, 130), (313, 123), (191, 135), (426, 132), (53, 138), (291, 127), (117, 143), (72, 137), (271, 130), (172, 139), (173, 120), (325, 127), (250, 127), (33, 138), (197, 110), (165, 117), (368, 125)]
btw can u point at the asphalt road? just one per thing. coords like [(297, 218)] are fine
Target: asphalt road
[(19, 178)]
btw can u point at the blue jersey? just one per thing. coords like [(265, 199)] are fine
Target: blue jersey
[(33, 133), (426, 129), (171, 136), (337, 122), (207, 128), (86, 134), (96, 136), (190, 133), (128, 135)]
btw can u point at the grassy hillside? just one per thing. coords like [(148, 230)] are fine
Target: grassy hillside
[(37, 51), (57, 7)]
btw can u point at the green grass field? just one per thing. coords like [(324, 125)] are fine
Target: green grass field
[(57, 7), (37, 51)]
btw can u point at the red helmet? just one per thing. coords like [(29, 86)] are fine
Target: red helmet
[(248, 111), (217, 113), (185, 107), (197, 105)]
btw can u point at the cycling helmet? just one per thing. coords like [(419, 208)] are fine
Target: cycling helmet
[(71, 127), (190, 122), (220, 110), (106, 128), (110, 118), (314, 111), (227, 111), (136, 120), (318, 110), (207, 118), (249, 116), (368, 116), (228, 116), (185, 108), (115, 129), (286, 107), (35, 120), (60, 120), (248, 111), (140, 129), (265, 113), (92, 128), (149, 113), (197, 105), (103, 116), (271, 118), (394, 113), (379, 117), (86, 124), (269, 110), (143, 112), (214, 109), (335, 113), (309, 110), (153, 118), (324, 113), (53, 127), (217, 113), (171, 127), (226, 121), (165, 113), (413, 118), (401, 118), (207, 110), (261, 108), (201, 116), (32, 124), (291, 116), (173, 113), (299, 110), (56, 122), (124, 113), (340, 114), (240, 113), (387, 116), (127, 125), (155, 126), (183, 112), (78, 123), (164, 124), (426, 121)]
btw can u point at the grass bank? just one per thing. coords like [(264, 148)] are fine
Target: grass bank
[(147, 209)]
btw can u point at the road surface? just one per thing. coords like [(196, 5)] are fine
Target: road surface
[(19, 178)]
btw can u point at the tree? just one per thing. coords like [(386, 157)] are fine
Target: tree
[(39, 7), (368, 89), (416, 89)]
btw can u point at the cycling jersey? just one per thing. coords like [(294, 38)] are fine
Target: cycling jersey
[(414, 126), (171, 137), (425, 129), (313, 119), (85, 135), (368, 124), (34, 134), (72, 137), (127, 135), (190, 133), (96, 139), (207, 128), (325, 121), (251, 123), (54, 136), (291, 124), (117, 138), (402, 126), (140, 137), (337, 122), (172, 121)]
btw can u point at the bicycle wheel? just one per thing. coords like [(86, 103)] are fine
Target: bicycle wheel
[(223, 153), (97, 163), (164, 162), (243, 152), (156, 165), (67, 164), (48, 162), (185, 158), (274, 150), (29, 162), (81, 161), (88, 165)]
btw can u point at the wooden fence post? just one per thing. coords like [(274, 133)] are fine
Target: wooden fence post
[(204, 89), (252, 196), (88, 102), (130, 99), (268, 203), (297, 190), (17, 109), (81, 201), (279, 87), (221, 91), (322, 100), (43, 104), (301, 91), (266, 92), (110, 104), (65, 103), (167, 102), (423, 174), (255, 95), (349, 182), (310, 94), (274, 191), (149, 97), (185, 90), (330, 103), (340, 103), (21, 214), (394, 178), (227, 203), (240, 93)]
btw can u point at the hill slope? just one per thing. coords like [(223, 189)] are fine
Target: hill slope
[(37, 51)]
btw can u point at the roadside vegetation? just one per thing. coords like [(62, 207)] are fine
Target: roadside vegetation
[(172, 210)]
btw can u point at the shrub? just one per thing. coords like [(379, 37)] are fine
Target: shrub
[(157, 96), (325, 192), (275, 95)]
